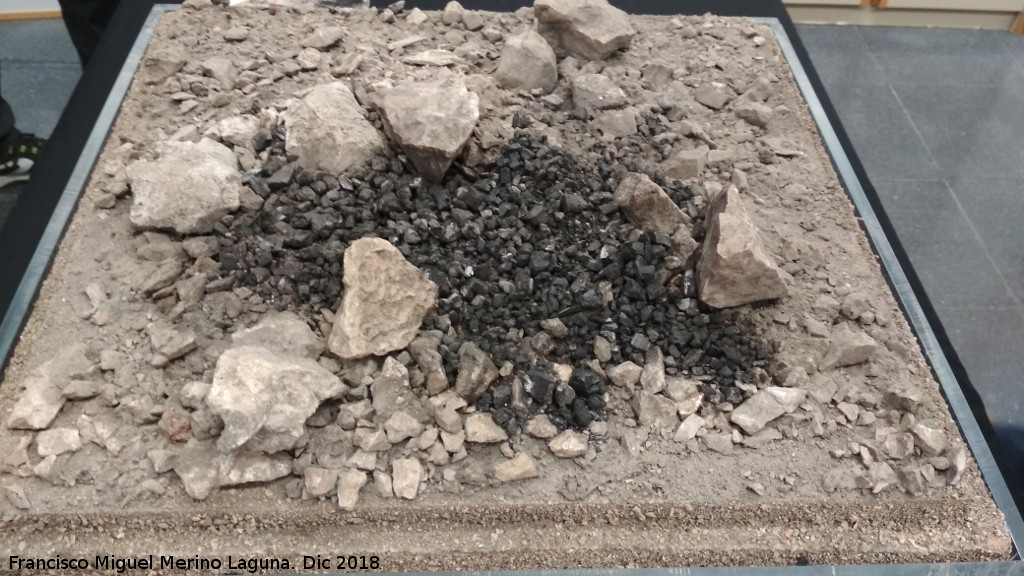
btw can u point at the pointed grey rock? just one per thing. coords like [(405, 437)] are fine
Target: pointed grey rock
[(597, 92), (170, 341), (520, 467), (568, 444), (350, 481), (481, 429), (57, 441), (198, 468), (647, 206), (734, 268), (527, 63), (430, 121), (319, 481), (405, 477), (476, 372)]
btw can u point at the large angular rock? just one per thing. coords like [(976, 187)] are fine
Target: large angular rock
[(847, 347), (527, 63), (239, 130), (401, 426), (686, 164), (481, 429), (350, 481), (170, 341), (57, 441), (647, 206), (319, 481), (386, 299), (656, 411), (734, 268), (593, 29), (264, 397), (569, 444), (616, 123), (431, 121), (37, 406), (765, 406), (188, 189), (931, 440), (405, 477), (282, 332), (326, 130), (597, 92), (42, 398), (476, 372)]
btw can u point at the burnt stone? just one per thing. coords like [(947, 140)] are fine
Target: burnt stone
[(502, 261)]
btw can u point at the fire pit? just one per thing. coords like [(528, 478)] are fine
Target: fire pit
[(564, 287)]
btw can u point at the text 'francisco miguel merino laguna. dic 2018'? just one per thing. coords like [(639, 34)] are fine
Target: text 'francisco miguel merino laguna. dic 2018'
[(121, 565)]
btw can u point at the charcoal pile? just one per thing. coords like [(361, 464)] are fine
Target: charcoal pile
[(533, 260)]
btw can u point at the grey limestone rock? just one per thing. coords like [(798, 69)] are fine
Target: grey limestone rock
[(326, 130), (405, 477), (476, 372), (734, 268), (592, 29), (520, 467), (768, 404), (527, 63), (188, 189), (647, 206), (385, 301), (282, 332), (597, 92), (430, 121), (481, 429), (264, 397)]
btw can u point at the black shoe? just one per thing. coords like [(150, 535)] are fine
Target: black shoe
[(18, 157)]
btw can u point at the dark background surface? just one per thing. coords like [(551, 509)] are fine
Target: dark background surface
[(917, 106)]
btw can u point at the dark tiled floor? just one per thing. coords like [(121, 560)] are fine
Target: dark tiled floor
[(937, 117)]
